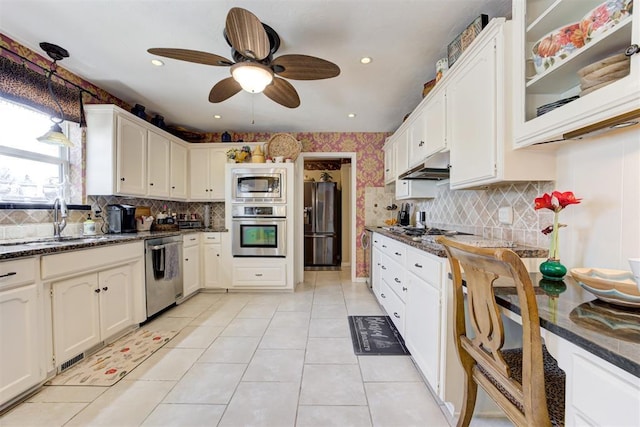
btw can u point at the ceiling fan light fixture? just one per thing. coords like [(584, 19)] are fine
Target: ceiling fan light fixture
[(55, 137), (252, 76)]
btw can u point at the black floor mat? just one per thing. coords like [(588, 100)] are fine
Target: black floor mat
[(376, 336)]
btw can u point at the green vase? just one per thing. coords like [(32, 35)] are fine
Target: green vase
[(552, 269)]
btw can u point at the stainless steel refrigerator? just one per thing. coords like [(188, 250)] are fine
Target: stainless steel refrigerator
[(321, 224)]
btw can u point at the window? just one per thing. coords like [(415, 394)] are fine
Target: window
[(30, 171)]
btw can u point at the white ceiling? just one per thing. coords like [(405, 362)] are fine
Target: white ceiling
[(108, 41)]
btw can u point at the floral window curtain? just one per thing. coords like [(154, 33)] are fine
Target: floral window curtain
[(23, 85)]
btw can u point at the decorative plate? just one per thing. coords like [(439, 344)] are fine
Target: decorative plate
[(612, 286), (285, 145)]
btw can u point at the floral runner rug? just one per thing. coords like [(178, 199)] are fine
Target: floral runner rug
[(112, 363)]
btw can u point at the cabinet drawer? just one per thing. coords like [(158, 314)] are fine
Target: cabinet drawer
[(397, 251), (393, 306), (17, 272), (394, 274), (424, 267), (192, 239), (211, 237), (86, 260), (377, 240), (260, 276)]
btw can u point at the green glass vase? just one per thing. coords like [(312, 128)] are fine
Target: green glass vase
[(552, 269)]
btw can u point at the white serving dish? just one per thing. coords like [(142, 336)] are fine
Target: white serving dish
[(613, 286)]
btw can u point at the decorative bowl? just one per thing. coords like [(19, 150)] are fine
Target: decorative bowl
[(605, 16), (613, 286), (556, 46)]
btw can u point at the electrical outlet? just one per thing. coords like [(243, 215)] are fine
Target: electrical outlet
[(505, 215)]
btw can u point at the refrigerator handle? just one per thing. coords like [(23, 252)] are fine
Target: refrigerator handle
[(307, 214)]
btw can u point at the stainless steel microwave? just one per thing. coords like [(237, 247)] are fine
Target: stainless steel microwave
[(258, 185)]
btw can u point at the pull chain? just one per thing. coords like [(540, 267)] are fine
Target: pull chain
[(253, 97)]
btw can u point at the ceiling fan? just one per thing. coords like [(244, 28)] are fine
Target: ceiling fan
[(253, 67)]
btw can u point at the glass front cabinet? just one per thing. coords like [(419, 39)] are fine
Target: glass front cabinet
[(571, 75)]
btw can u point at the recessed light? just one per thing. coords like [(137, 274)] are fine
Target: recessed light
[(157, 62), (365, 60), (217, 116), (351, 115)]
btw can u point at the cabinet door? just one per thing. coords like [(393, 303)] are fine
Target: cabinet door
[(389, 164), (401, 153), (191, 272), (211, 260), (178, 175), (131, 162), (19, 335), (199, 174), (116, 300), (76, 322), (217, 160), (435, 123), (422, 328), (471, 118), (417, 139), (376, 272), (158, 165)]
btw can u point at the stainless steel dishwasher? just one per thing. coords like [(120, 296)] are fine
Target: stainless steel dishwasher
[(163, 271)]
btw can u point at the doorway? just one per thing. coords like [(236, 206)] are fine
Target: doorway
[(321, 249)]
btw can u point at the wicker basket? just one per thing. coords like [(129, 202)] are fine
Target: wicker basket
[(283, 145)]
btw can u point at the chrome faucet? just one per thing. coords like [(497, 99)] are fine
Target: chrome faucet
[(59, 211)]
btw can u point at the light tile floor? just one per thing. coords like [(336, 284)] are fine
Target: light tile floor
[(254, 359)]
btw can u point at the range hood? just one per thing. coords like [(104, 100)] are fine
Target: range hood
[(435, 168)]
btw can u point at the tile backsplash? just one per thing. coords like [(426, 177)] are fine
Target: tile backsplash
[(38, 223), (472, 211)]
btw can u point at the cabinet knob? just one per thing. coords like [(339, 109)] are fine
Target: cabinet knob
[(105, 289), (398, 253), (97, 291), (186, 259), (11, 273), (395, 279), (404, 289), (211, 189), (151, 184), (173, 187), (384, 246), (122, 179), (421, 144), (632, 50), (258, 274), (383, 267), (206, 190), (396, 315), (217, 254), (418, 265), (383, 295)]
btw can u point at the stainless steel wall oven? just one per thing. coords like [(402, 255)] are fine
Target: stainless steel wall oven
[(259, 231)]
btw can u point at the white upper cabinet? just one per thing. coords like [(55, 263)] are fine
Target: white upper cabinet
[(401, 152), (158, 165), (434, 116), (533, 20), (127, 156), (206, 173), (478, 117), (389, 163)]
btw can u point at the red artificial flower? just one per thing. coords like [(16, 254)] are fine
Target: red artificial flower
[(565, 199), (124, 350), (111, 371), (544, 202), (157, 338)]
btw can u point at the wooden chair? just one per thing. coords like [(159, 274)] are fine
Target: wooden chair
[(526, 383)]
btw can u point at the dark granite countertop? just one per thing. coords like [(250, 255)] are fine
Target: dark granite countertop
[(438, 250), (608, 331), (17, 249)]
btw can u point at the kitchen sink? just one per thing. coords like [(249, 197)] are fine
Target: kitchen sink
[(65, 241)]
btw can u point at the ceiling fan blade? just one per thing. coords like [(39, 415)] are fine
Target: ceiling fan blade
[(224, 89), (305, 67), (283, 93), (246, 34), (191, 56)]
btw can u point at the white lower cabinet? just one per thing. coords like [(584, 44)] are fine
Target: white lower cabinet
[(211, 254), (22, 341), (259, 273), (191, 264), (89, 309), (423, 324)]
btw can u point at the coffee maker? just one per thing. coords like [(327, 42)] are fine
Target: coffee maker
[(121, 218)]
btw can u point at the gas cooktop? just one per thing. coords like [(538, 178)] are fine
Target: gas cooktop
[(415, 231)]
